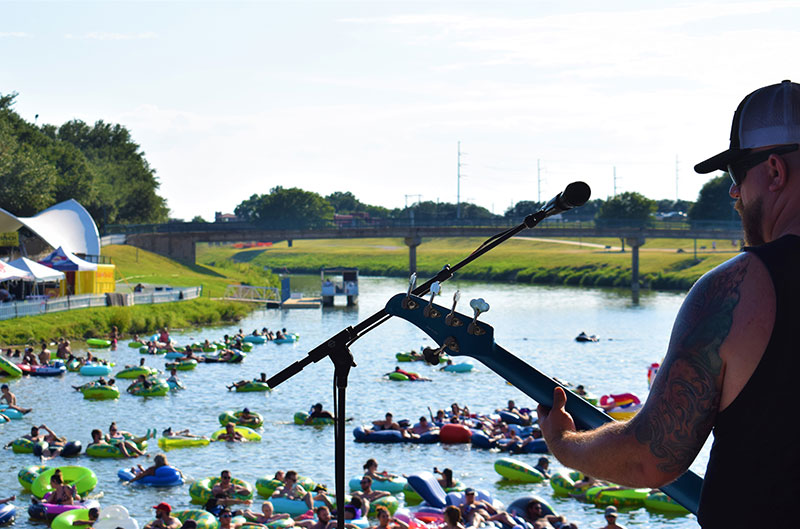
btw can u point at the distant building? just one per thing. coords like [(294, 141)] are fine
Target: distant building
[(225, 217), (357, 218)]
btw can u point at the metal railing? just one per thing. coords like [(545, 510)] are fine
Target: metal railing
[(18, 309), (251, 293), (378, 224)]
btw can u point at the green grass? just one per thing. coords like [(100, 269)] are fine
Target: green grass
[(140, 266), (663, 264), (97, 322)]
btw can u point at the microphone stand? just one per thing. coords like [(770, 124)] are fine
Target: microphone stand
[(337, 348)]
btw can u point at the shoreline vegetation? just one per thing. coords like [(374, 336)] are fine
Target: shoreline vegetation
[(664, 264)]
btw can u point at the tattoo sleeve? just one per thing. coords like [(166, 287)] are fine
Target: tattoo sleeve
[(689, 382)]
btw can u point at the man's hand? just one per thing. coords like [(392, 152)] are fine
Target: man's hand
[(555, 421)]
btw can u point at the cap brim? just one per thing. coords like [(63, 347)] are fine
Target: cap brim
[(719, 162)]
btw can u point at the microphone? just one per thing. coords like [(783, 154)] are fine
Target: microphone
[(574, 195)]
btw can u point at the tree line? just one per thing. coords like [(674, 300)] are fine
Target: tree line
[(98, 165), (295, 207)]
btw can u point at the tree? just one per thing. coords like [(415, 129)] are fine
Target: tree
[(27, 181), (714, 202), (522, 209), (344, 202), (630, 208), (287, 208)]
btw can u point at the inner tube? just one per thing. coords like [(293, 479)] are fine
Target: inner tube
[(517, 507), (9, 368), (71, 449), (200, 490), (236, 418), (182, 365), (659, 502), (168, 443), (104, 451), (84, 480), (166, 476), (26, 446), (247, 433), (27, 475), (10, 412), (65, 519), (454, 433), (379, 436), (253, 385), (98, 342), (518, 471), (135, 371), (266, 485), (100, 392), (45, 511), (300, 418), (159, 389), (95, 370), (7, 513), (53, 370), (394, 485), (204, 519), (463, 367), (255, 338)]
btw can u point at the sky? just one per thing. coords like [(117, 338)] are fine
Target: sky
[(229, 99)]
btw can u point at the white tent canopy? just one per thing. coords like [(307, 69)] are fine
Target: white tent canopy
[(39, 272), (8, 272)]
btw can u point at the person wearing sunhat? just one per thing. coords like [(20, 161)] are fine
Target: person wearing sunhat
[(164, 518), (732, 359)]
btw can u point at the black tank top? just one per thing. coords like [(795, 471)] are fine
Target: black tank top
[(751, 479)]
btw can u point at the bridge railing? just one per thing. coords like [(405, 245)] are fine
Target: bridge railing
[(378, 224)]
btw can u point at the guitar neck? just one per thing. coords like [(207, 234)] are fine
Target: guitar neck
[(450, 330)]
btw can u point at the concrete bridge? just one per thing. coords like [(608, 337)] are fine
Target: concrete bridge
[(177, 240)]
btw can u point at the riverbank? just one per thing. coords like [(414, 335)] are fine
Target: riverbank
[(665, 264), (138, 319)]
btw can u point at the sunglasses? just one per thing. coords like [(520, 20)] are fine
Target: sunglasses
[(738, 169)]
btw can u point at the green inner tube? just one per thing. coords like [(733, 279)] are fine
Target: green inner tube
[(82, 478)]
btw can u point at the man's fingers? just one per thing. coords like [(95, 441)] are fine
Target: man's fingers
[(559, 398)]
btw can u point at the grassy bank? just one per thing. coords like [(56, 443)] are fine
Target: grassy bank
[(664, 264), (96, 322), (139, 266)]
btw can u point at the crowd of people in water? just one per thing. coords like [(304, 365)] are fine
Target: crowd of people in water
[(225, 501)]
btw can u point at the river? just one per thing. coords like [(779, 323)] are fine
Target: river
[(536, 323)]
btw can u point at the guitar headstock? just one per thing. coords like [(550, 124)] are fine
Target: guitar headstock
[(456, 333)]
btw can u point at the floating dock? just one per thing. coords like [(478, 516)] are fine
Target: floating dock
[(302, 303)]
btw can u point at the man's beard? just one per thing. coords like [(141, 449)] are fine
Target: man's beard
[(752, 216)]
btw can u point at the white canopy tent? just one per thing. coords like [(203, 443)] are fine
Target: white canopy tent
[(39, 272), (10, 273)]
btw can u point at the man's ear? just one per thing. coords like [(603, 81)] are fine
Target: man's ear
[(778, 172)]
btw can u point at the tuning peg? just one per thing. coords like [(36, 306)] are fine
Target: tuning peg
[(451, 319), (431, 312), (479, 306), (412, 282), (409, 303)]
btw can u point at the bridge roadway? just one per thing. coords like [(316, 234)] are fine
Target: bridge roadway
[(177, 240)]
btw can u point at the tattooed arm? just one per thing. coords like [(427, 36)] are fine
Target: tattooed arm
[(717, 339)]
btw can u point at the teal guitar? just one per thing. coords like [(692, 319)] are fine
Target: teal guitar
[(458, 334)]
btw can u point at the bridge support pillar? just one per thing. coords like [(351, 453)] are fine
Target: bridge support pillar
[(412, 243), (635, 243)]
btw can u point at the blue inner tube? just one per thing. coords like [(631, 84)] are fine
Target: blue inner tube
[(381, 436), (7, 513), (165, 476)]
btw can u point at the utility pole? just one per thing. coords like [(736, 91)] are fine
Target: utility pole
[(458, 184), (538, 180), (615, 180), (677, 197)]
